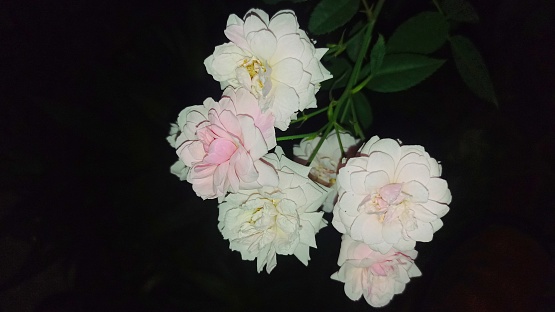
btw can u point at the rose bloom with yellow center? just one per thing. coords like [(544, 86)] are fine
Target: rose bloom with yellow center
[(269, 221), (274, 59)]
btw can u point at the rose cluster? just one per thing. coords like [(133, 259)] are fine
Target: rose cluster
[(269, 71), (384, 196)]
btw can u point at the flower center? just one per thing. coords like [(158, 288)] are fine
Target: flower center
[(264, 217), (254, 75), (389, 202), (253, 67), (324, 174)]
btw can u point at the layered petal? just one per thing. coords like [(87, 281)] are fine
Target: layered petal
[(371, 274), (273, 59), (222, 144), (268, 221), (390, 196)]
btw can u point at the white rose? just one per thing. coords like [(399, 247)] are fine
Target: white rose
[(390, 196), (282, 220), (272, 58)]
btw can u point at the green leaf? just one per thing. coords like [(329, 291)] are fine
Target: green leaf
[(329, 15), (363, 110), (377, 55), (402, 71), (355, 41), (423, 33), (364, 72), (459, 10), (472, 68), (341, 70)]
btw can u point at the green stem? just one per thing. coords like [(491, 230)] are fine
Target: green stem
[(295, 136), (336, 126), (345, 111), (356, 125), (362, 84), (320, 142), (354, 37), (372, 14), (314, 113), (362, 53)]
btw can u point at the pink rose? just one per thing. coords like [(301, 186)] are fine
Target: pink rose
[(374, 275), (222, 142)]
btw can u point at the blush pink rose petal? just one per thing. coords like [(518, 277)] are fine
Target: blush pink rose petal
[(222, 143), (391, 196), (374, 275), (272, 58)]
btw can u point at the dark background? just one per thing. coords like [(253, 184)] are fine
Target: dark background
[(92, 220)]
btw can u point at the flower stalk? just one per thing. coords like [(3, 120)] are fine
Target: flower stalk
[(345, 99)]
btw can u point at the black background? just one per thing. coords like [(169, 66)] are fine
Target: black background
[(92, 220)]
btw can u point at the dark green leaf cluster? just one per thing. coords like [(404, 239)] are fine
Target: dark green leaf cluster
[(364, 61)]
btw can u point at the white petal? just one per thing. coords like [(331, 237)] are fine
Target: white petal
[(255, 20), (180, 170), (263, 44), (312, 219), (283, 104), (383, 247), (267, 175), (344, 176), (380, 161), (414, 271), (302, 253), (418, 193), (284, 22), (404, 244), (399, 287), (353, 286), (288, 71), (423, 233), (437, 224), (375, 180), (349, 203), (223, 62), (439, 191), (367, 228), (436, 208), (307, 236), (288, 46), (423, 214), (235, 34), (314, 68), (391, 231), (388, 146), (414, 172), (357, 182)]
